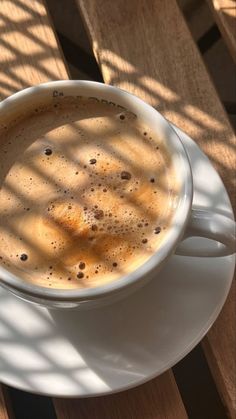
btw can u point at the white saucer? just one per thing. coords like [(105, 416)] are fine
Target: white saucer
[(76, 354)]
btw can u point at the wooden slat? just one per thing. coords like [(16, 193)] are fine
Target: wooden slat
[(3, 408), (28, 55), (225, 15), (158, 399), (145, 47), (29, 52)]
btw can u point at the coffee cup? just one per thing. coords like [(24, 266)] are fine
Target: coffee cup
[(187, 221)]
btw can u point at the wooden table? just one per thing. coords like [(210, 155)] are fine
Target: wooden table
[(145, 47)]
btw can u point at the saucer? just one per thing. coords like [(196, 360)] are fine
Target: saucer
[(105, 350)]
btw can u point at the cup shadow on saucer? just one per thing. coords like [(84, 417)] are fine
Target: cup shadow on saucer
[(120, 342)]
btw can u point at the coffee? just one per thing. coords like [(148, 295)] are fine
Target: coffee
[(87, 193)]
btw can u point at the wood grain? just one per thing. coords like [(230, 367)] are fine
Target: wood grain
[(29, 51), (145, 47), (225, 15), (158, 399), (29, 54)]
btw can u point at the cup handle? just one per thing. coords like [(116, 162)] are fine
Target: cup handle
[(204, 223)]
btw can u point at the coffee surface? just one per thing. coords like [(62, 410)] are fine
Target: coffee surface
[(86, 191)]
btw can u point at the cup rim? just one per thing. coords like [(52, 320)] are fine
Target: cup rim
[(182, 213)]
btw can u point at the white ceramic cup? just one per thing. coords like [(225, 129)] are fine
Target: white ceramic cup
[(187, 221)]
